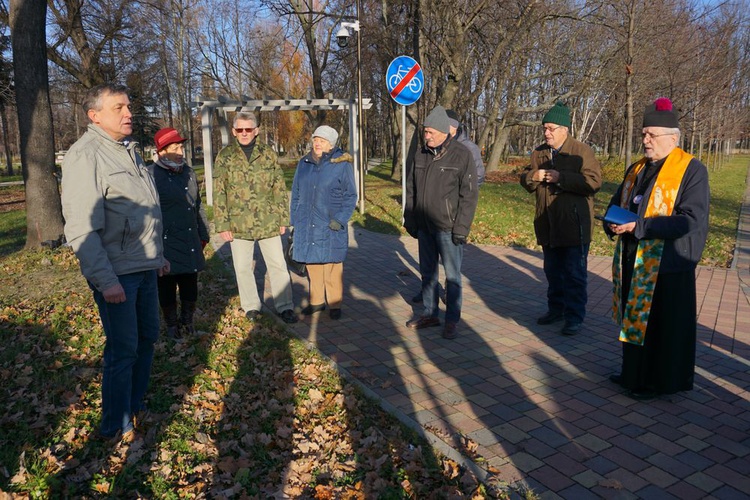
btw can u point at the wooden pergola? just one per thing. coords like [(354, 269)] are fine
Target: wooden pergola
[(224, 106)]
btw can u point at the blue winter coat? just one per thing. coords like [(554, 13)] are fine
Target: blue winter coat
[(322, 192)]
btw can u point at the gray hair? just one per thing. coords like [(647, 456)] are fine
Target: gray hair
[(676, 132), (93, 97), (245, 115)]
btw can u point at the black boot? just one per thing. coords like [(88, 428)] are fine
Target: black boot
[(170, 318), (186, 316)]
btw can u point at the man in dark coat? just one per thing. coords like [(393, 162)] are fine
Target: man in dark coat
[(441, 197), (564, 175), (655, 259), (458, 132)]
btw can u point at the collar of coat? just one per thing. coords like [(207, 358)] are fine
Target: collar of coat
[(259, 150), (127, 142), (440, 151), (564, 149), (342, 157)]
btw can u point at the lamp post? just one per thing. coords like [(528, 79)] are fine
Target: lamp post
[(342, 38)]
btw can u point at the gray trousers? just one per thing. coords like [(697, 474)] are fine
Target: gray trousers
[(244, 267)]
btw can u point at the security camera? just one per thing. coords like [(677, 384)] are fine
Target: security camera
[(342, 37)]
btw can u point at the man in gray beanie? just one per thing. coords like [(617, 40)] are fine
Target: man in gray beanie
[(441, 197), (564, 175)]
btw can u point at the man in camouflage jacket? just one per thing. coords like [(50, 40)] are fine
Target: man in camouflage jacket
[(251, 204)]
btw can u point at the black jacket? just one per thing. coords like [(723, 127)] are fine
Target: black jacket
[(185, 224), (685, 231), (441, 189)]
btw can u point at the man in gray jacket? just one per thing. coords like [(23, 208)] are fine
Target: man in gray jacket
[(114, 225)]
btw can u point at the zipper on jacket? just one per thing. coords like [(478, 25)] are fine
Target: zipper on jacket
[(448, 209), (580, 226), (125, 233)]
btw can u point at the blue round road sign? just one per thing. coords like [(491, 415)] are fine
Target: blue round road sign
[(405, 80)]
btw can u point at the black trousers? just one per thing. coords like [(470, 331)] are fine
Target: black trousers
[(187, 283)]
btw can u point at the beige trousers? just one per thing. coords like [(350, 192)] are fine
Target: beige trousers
[(326, 282)]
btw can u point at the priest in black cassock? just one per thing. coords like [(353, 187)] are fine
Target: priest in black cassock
[(653, 270)]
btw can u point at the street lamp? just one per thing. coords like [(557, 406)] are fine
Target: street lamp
[(342, 39)]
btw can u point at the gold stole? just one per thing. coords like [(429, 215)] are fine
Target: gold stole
[(648, 255)]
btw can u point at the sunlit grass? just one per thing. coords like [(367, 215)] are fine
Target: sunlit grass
[(505, 211)]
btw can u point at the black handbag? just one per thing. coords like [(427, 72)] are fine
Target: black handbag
[(296, 267)]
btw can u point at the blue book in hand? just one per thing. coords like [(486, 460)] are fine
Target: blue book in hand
[(618, 215)]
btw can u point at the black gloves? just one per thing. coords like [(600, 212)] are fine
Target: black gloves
[(411, 230), (458, 239), (334, 225)]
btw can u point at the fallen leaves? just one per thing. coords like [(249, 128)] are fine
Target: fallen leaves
[(244, 411)]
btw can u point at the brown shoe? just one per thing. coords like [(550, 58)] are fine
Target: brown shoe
[(423, 322), (450, 332)]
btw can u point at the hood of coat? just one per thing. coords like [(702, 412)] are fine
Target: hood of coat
[(336, 155)]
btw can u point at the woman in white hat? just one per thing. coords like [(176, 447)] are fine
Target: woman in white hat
[(324, 196)]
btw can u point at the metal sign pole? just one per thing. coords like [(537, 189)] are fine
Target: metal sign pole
[(403, 162), (405, 82)]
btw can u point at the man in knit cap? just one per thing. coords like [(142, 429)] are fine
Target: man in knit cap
[(441, 197), (655, 259), (564, 175), (458, 132)]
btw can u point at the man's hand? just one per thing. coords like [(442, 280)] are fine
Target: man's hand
[(114, 294), (550, 176), (227, 236), (412, 231), (458, 239), (282, 229), (622, 228), (164, 269)]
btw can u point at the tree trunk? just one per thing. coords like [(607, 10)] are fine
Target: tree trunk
[(6, 139), (44, 222), (629, 85)]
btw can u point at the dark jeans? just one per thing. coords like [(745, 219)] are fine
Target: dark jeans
[(431, 247), (188, 284), (131, 329), (566, 271)]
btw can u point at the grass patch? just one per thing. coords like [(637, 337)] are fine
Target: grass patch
[(505, 210), (12, 219)]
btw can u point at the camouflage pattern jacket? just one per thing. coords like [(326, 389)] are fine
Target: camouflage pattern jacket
[(250, 197)]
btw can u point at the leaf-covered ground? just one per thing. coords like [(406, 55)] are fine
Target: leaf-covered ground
[(241, 410)]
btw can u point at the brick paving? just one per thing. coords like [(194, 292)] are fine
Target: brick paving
[(539, 405)]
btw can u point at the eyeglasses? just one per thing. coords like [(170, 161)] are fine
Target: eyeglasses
[(551, 129), (651, 136), (245, 130)]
